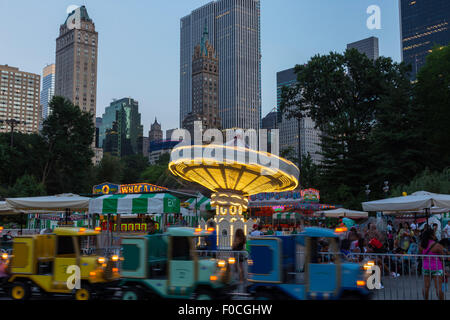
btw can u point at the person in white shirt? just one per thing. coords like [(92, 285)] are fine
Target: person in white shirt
[(257, 232)]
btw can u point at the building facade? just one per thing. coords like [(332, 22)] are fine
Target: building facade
[(423, 25), (155, 133), (122, 121), (158, 148), (19, 100), (270, 121), (290, 136), (48, 89), (76, 60), (234, 32), (169, 133), (205, 87), (369, 46)]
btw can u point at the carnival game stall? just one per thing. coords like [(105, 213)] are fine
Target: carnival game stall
[(286, 208)]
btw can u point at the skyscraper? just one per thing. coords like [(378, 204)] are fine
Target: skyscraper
[(122, 121), (76, 60), (234, 32), (423, 24), (48, 89), (155, 133), (205, 87), (19, 100), (368, 46), (289, 128)]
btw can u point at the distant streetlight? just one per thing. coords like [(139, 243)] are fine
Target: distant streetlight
[(367, 192), (12, 124)]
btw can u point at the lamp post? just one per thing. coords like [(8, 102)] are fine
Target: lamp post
[(12, 124), (367, 191), (386, 188)]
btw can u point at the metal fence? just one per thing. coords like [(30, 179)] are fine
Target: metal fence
[(406, 276), (402, 275)]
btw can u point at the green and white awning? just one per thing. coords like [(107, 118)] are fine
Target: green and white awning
[(203, 203), (135, 203), (286, 216)]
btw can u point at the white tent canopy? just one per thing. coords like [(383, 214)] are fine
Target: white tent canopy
[(342, 212), (56, 203), (5, 209), (417, 201)]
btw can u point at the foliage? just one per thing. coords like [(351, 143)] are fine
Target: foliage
[(369, 121), (436, 182), (432, 94), (110, 169), (68, 133)]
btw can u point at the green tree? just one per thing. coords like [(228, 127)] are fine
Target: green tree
[(133, 167), (348, 95), (309, 173), (110, 169), (26, 186), (432, 94), (69, 133), (436, 182)]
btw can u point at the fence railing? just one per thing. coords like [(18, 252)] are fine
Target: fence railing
[(409, 276)]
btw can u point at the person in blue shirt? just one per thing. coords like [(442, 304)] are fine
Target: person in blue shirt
[(211, 239)]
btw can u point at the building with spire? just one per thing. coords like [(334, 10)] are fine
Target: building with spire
[(205, 87), (76, 60), (234, 32), (155, 133)]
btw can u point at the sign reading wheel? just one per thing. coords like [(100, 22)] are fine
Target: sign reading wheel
[(111, 188)]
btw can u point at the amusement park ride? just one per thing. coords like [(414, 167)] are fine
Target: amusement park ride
[(233, 172)]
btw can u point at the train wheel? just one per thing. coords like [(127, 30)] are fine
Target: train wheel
[(20, 291), (131, 294), (83, 294)]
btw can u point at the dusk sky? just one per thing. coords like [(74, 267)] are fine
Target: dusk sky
[(139, 42)]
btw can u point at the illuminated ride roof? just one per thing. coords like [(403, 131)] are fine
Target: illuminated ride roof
[(238, 168)]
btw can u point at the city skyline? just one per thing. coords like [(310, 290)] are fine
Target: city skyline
[(313, 26)]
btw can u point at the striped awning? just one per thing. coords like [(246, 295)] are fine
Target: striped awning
[(203, 203), (287, 215), (135, 203)]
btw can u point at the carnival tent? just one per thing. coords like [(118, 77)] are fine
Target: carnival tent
[(57, 203), (135, 203), (203, 203), (286, 216), (5, 209), (417, 201), (342, 212)]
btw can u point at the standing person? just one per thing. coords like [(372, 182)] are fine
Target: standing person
[(211, 239), (436, 231), (431, 267), (239, 245), (446, 234)]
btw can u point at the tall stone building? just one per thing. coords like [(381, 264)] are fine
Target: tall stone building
[(205, 87), (19, 100), (234, 32), (155, 133), (307, 137), (76, 60)]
